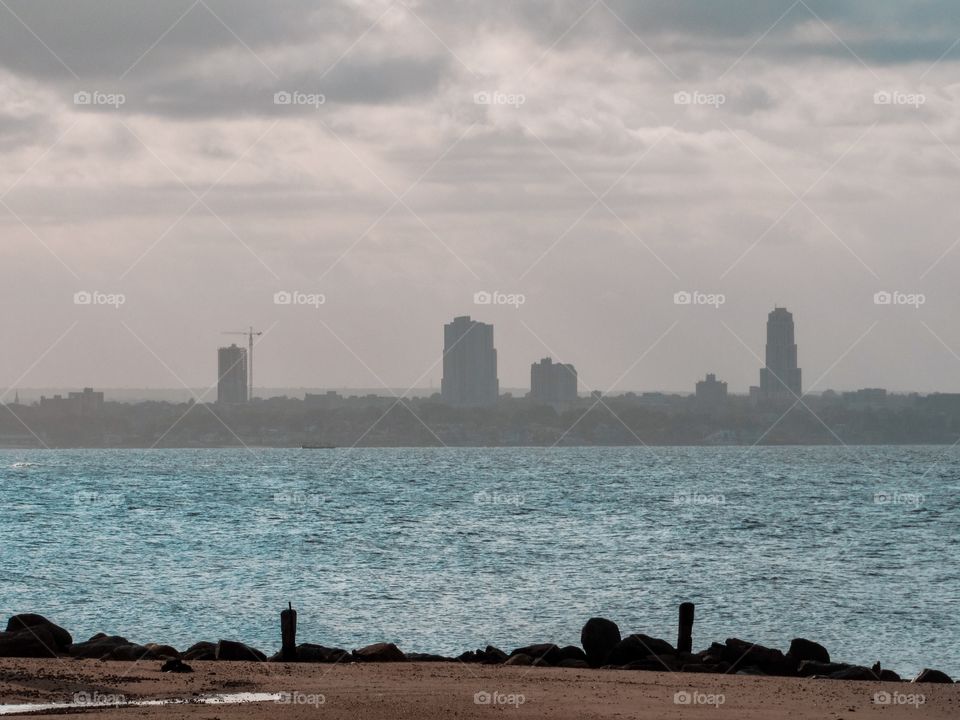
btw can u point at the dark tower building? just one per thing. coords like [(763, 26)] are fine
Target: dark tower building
[(232, 375), (469, 364), (553, 383), (780, 379)]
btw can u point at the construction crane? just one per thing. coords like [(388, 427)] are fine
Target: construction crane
[(250, 333)]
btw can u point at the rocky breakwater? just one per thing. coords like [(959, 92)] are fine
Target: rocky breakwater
[(603, 647)]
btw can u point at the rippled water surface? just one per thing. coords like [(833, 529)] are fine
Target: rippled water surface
[(444, 550)]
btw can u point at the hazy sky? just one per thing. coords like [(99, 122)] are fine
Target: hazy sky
[(594, 157)]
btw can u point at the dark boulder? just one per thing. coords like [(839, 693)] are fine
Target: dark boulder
[(201, 651), (854, 672), (131, 653), (427, 657), (176, 666), (810, 668), (801, 649), (379, 652), (100, 645), (743, 654), (36, 642), (572, 652), (490, 656), (234, 651), (310, 653), (574, 663), (598, 637), (549, 653), (890, 676), (634, 648), (932, 676), (163, 651), (61, 638), (519, 659)]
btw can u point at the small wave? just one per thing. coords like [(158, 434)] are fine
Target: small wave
[(19, 465)]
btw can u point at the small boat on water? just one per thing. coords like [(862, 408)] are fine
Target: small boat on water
[(310, 446)]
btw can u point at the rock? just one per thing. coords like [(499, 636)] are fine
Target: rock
[(572, 652), (598, 637), (98, 646), (743, 654), (548, 652), (201, 651), (130, 653), (573, 663), (932, 676), (163, 651), (890, 676), (36, 642), (801, 649), (24, 621), (519, 659), (490, 656), (427, 657), (176, 666), (638, 647), (236, 651), (750, 670), (310, 653), (810, 668), (854, 672), (379, 652)]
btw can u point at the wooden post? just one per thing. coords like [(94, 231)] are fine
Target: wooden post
[(288, 633), (685, 630)]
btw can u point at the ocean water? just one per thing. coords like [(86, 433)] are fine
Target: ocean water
[(444, 550)]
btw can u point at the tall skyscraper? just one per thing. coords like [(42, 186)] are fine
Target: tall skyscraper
[(232, 375), (780, 379), (469, 364), (553, 383)]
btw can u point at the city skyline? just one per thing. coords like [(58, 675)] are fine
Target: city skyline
[(419, 165)]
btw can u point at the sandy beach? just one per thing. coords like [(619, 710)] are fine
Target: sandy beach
[(447, 690)]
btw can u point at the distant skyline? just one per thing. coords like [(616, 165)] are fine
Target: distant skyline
[(348, 176)]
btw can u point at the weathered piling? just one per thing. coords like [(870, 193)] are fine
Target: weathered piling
[(288, 633), (685, 629)]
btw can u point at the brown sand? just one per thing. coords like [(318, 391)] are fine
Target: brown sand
[(446, 690)]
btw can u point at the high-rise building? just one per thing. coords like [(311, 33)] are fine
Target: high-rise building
[(469, 364), (232, 375), (553, 383), (711, 391), (780, 379)]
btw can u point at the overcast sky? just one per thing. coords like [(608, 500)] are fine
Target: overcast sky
[(595, 158)]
